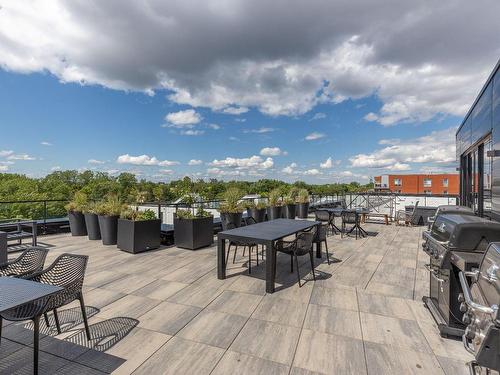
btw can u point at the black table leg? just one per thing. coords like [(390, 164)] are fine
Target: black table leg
[(270, 267), (36, 339), (221, 258)]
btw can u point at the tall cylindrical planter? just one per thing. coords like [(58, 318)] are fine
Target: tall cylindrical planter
[(259, 214), (231, 217), (274, 212), (303, 210), (109, 229), (290, 211), (77, 223), (92, 223)]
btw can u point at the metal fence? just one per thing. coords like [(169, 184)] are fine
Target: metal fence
[(388, 203)]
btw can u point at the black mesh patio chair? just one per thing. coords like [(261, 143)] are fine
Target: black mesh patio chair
[(67, 271), (302, 245), (325, 217), (321, 238), (236, 244), (349, 217), (31, 260)]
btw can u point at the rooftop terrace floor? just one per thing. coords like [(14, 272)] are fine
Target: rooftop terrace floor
[(165, 312)]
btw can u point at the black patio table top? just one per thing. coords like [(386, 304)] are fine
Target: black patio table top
[(358, 210), (15, 292), (268, 230), (264, 233)]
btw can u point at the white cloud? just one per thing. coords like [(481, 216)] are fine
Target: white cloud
[(55, 168), (4, 153), (243, 163), (259, 130), (371, 117), (95, 161), (327, 164), (290, 169), (166, 171), (314, 136), (437, 147), (312, 172), (318, 116), (195, 162), (183, 119), (192, 132), (4, 168), (234, 139), (235, 110), (224, 172), (45, 143), (194, 51), (20, 157), (214, 126), (144, 160), (272, 151)]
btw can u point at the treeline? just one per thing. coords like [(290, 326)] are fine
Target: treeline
[(63, 184)]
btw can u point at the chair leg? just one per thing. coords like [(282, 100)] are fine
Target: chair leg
[(1, 325), (312, 264), (84, 314), (58, 325), (46, 317), (327, 254), (228, 251), (249, 259), (298, 273), (291, 263), (235, 250), (257, 254), (36, 338)]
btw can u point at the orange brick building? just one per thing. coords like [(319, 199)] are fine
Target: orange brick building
[(418, 183)]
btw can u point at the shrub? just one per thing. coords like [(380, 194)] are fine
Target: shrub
[(78, 203), (134, 215), (303, 196), (231, 202), (275, 198), (112, 206)]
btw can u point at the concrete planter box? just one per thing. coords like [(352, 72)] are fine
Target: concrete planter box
[(274, 212), (77, 223), (108, 225), (259, 215), (92, 224), (138, 236), (194, 233), (290, 211), (303, 210)]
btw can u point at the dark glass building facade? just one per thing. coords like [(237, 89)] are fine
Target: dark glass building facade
[(478, 151)]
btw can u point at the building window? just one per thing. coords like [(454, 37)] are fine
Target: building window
[(427, 182), (445, 182), (397, 182), (427, 192)]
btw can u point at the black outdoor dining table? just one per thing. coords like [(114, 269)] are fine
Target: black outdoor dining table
[(357, 210), (15, 292), (265, 233)]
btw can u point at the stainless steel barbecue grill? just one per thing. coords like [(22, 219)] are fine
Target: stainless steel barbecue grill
[(455, 243), (449, 209), (479, 303)]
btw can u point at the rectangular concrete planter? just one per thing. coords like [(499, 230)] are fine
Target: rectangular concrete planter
[(138, 236), (195, 233)]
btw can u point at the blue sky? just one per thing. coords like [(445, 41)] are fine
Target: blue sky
[(66, 125), (165, 89)]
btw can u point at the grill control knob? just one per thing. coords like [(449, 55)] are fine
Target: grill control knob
[(470, 333), (463, 307), (466, 319), (461, 297)]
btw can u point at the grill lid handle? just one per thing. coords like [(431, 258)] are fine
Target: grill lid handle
[(468, 299)]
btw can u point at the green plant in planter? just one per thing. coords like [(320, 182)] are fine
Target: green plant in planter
[(288, 200), (303, 196), (231, 202), (260, 205), (90, 208), (134, 215), (78, 203), (293, 193), (275, 198), (112, 206), (187, 214)]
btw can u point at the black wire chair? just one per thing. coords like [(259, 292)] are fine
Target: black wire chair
[(31, 260), (236, 244), (67, 272), (350, 217), (320, 237), (326, 217), (300, 246)]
